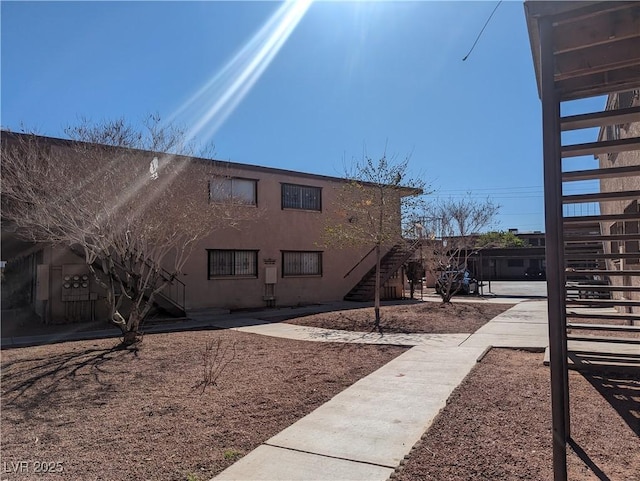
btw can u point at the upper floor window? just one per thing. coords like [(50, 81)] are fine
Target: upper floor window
[(232, 263), (240, 191), (301, 197)]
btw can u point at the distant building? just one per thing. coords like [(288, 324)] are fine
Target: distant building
[(513, 263)]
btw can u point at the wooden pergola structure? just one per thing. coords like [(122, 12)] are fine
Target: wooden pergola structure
[(582, 49)]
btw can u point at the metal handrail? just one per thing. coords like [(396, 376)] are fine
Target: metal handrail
[(360, 262), (412, 247), (180, 287)]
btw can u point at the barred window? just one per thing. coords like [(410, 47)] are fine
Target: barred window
[(296, 263), (241, 191), (232, 263), (301, 197)]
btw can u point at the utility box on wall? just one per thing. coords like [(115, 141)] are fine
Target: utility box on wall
[(270, 275), (270, 280), (75, 282)]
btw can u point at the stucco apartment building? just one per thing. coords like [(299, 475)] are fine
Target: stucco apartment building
[(630, 227), (277, 259)]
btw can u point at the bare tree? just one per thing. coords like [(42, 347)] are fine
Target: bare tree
[(134, 215), (450, 229), (370, 207)]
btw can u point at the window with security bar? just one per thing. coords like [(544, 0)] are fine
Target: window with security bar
[(298, 263), (236, 190), (303, 197), (232, 263)]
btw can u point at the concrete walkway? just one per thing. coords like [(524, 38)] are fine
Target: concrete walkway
[(365, 431)]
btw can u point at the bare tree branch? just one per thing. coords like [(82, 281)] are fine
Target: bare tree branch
[(370, 208), (134, 215), (450, 229)]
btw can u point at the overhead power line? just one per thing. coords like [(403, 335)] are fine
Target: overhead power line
[(480, 34)]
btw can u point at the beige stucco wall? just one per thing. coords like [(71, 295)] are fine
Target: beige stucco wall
[(272, 231), (275, 230), (617, 184)]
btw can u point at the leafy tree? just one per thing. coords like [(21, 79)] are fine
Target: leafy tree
[(111, 196), (370, 208), (451, 228), (499, 239)]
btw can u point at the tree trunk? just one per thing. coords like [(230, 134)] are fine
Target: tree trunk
[(376, 297), (130, 338), (130, 329)]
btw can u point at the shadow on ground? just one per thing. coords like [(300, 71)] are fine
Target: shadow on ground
[(28, 383), (622, 391), (582, 454)]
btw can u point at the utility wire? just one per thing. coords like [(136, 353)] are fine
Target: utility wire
[(480, 34)]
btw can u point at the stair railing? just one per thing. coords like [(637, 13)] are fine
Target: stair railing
[(359, 262)]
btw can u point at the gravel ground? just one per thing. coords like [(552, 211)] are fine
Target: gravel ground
[(109, 414), (114, 415), (419, 317), (497, 426)]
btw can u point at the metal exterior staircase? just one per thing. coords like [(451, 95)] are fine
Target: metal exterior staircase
[(364, 290), (601, 251)]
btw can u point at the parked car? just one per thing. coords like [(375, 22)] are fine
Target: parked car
[(535, 274), (462, 282)]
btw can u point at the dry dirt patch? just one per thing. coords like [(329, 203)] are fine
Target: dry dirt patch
[(418, 317), (497, 425), (120, 415)]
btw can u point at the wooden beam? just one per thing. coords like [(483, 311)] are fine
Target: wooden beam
[(598, 119), (601, 272), (605, 302), (556, 309), (602, 147), (603, 327), (600, 197), (600, 238), (596, 30), (630, 340), (596, 287), (594, 219), (593, 174), (565, 13), (601, 58), (620, 317), (600, 83), (590, 256)]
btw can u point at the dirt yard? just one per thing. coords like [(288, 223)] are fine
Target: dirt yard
[(119, 415), (496, 426), (108, 414), (418, 317)]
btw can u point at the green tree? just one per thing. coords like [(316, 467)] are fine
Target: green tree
[(500, 239)]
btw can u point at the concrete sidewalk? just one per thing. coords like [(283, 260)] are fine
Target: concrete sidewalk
[(365, 431)]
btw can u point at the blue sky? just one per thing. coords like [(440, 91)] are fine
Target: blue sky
[(349, 76)]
